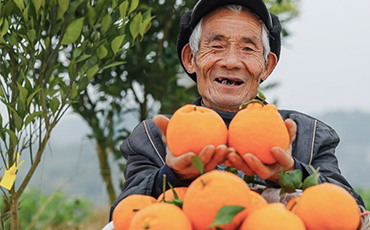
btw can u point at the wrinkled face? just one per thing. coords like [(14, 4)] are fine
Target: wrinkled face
[(229, 64)]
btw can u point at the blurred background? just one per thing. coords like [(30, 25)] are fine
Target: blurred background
[(322, 72)]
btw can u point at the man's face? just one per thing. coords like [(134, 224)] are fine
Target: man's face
[(229, 64)]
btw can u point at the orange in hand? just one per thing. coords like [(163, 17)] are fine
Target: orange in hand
[(128, 207), (191, 128), (256, 129), (327, 206)]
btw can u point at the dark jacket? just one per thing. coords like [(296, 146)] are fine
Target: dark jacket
[(145, 152)]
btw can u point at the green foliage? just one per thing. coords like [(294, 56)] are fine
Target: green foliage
[(365, 194), (49, 52), (57, 211), (226, 214), (290, 181)]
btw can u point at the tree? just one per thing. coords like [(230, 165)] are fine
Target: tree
[(148, 83), (49, 52)]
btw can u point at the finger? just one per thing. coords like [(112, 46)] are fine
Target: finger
[(178, 163), (292, 129), (285, 160), (161, 121), (238, 163), (257, 166), (206, 153), (221, 153), (218, 157)]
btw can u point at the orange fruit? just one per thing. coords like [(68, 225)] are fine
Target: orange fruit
[(256, 129), (180, 191), (272, 216), (208, 193), (292, 204), (328, 206), (191, 128), (160, 216), (256, 201), (128, 207)]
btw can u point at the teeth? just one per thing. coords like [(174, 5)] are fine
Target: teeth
[(225, 82)]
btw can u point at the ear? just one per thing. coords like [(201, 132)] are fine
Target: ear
[(188, 59), (270, 66)]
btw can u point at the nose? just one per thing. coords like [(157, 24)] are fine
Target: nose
[(232, 59)]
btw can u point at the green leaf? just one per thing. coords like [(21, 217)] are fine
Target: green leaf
[(296, 176), (54, 104), (20, 4), (312, 179), (135, 25), (197, 163), (73, 31), (25, 13), (83, 57), (31, 117), (106, 22), (102, 52), (1, 92), (17, 120), (114, 64), (176, 202), (4, 28), (13, 137), (23, 92), (74, 91), (37, 5), (114, 4), (31, 96), (144, 27), (92, 71), (286, 182), (232, 170), (63, 7), (133, 5), (72, 69), (116, 43), (173, 191), (226, 215), (21, 108), (31, 34), (91, 15), (123, 9)]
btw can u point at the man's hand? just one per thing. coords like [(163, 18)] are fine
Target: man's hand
[(181, 165), (251, 165)]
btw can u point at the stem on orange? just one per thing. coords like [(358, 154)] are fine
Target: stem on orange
[(260, 98), (203, 183), (294, 204)]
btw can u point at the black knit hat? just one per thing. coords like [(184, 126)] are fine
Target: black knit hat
[(191, 18)]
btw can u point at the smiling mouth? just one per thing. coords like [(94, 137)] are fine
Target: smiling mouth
[(228, 81)]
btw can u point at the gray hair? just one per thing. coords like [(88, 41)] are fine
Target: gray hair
[(197, 32)]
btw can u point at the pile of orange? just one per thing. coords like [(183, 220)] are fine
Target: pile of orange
[(222, 200), (324, 206)]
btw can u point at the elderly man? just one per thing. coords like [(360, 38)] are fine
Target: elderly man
[(228, 47)]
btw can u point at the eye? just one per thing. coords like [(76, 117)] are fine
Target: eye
[(248, 49), (216, 46)]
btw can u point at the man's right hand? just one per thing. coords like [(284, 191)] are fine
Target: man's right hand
[(181, 165)]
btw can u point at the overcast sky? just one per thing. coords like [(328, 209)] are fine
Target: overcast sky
[(324, 63)]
